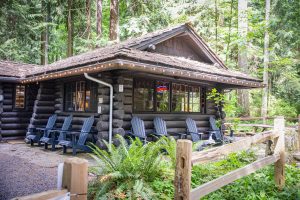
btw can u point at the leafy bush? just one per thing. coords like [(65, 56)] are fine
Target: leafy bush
[(138, 171)]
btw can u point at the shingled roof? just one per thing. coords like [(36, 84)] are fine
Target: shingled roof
[(16, 69), (133, 49)]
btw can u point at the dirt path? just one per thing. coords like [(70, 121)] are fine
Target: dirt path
[(25, 170)]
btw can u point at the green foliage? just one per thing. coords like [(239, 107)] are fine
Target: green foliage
[(129, 171), (140, 171)]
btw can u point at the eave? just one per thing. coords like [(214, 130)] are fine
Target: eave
[(125, 64)]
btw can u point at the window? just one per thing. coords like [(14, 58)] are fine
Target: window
[(143, 95), (162, 96), (20, 96), (81, 96), (194, 99), (179, 97)]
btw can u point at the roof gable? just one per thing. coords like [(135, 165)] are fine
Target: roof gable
[(185, 32)]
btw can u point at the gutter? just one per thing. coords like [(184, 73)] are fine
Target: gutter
[(110, 105)]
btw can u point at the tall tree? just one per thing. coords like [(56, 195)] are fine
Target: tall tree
[(229, 32), (45, 9), (264, 108), (70, 28), (114, 20), (88, 18), (99, 18), (243, 98), (216, 24)]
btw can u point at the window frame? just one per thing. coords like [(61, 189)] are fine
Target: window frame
[(203, 89), (15, 96), (84, 102)]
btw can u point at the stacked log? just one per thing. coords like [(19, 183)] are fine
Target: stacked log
[(1, 110), (43, 106), (118, 110), (14, 122)]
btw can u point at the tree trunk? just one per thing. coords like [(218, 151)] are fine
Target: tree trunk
[(88, 18), (99, 18), (229, 32), (70, 29), (216, 24), (243, 95), (114, 20), (44, 34), (264, 108)]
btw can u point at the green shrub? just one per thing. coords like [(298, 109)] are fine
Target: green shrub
[(140, 171), (129, 171)]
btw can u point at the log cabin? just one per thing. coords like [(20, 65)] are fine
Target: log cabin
[(166, 73)]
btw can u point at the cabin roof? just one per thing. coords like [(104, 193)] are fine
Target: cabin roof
[(16, 69), (131, 49)]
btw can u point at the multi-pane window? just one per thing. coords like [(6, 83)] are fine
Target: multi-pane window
[(194, 99), (80, 96), (20, 96), (143, 95), (163, 96), (180, 97)]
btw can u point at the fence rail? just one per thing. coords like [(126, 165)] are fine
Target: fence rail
[(185, 159)]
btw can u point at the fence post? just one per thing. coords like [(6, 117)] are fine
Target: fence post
[(183, 170), (279, 149), (75, 178)]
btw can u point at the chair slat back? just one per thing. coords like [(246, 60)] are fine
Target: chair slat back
[(87, 124), (213, 126), (138, 127), (192, 129), (67, 123), (51, 121), (160, 126), (86, 128)]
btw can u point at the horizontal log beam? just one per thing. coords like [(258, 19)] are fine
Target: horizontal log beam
[(211, 154)]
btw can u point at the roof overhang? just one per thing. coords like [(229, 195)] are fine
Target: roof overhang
[(10, 79), (121, 64)]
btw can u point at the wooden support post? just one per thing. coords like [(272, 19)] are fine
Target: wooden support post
[(75, 178), (183, 170), (280, 149)]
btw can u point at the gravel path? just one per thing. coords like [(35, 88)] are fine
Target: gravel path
[(18, 177), (26, 170)]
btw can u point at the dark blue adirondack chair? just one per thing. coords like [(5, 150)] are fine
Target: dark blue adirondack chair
[(160, 127), (78, 142), (50, 136), (218, 135), (138, 129), (193, 130), (36, 133)]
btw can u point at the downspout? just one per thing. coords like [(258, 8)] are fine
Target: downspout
[(110, 105)]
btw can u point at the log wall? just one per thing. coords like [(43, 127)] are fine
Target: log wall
[(175, 122), (50, 99), (14, 122), (43, 106), (1, 109)]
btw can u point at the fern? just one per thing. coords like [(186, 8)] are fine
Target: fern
[(127, 171)]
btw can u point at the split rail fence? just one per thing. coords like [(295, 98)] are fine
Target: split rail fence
[(185, 159)]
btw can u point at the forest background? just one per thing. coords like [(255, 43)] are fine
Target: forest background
[(260, 37)]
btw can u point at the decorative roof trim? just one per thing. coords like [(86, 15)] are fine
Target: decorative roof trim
[(142, 67)]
